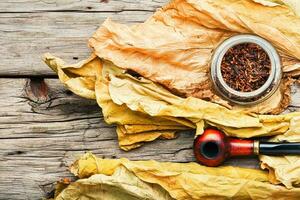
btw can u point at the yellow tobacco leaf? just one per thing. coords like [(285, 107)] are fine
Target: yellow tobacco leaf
[(285, 169), (123, 114), (293, 4), (139, 128), (122, 185), (127, 140), (88, 79), (181, 180), (154, 100), (79, 78)]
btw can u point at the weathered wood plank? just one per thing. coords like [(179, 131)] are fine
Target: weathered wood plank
[(24, 37), (30, 28), (77, 5)]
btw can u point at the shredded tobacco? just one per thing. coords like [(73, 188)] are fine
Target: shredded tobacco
[(245, 67)]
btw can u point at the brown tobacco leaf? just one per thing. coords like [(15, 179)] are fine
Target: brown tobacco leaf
[(174, 46)]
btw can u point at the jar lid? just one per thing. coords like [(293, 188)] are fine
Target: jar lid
[(246, 98)]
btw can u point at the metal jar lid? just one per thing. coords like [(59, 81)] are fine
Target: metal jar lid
[(246, 98)]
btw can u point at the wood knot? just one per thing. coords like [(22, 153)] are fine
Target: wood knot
[(37, 90), (15, 153)]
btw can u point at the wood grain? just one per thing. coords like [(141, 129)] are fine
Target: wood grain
[(25, 37), (28, 29), (79, 5)]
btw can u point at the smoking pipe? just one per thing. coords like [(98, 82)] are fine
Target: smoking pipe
[(213, 147)]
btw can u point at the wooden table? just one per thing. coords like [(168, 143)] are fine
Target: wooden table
[(44, 126)]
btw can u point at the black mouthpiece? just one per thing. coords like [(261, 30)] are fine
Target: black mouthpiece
[(272, 148)]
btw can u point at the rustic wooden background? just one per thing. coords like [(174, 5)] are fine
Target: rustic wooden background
[(43, 126)]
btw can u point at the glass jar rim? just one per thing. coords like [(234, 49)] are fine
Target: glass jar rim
[(246, 98)]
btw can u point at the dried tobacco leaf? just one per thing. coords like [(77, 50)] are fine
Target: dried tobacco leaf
[(197, 26), (158, 180), (293, 4), (94, 71), (122, 185), (285, 169)]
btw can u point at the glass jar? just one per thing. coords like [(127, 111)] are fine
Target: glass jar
[(246, 98)]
